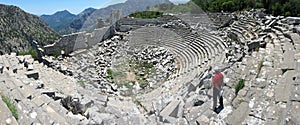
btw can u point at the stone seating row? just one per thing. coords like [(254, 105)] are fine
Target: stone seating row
[(30, 101), (193, 52)]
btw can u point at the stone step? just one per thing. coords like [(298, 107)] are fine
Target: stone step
[(30, 101), (238, 115), (6, 116)]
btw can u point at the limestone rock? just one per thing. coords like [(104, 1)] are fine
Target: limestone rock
[(32, 74), (238, 115)]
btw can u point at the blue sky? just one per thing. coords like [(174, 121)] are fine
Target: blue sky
[(40, 7)]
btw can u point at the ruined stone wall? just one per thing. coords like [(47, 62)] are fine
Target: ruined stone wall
[(127, 24), (76, 41), (96, 36), (51, 49)]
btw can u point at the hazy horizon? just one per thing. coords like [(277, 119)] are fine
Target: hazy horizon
[(49, 7)]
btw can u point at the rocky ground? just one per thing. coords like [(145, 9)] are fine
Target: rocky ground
[(158, 75)]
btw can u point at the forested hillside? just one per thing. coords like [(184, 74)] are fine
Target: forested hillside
[(275, 7)]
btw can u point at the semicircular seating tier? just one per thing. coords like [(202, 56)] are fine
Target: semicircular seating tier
[(194, 51)]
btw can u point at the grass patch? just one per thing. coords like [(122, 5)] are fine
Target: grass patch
[(110, 74), (260, 65), (144, 84), (146, 68), (119, 78), (240, 85), (131, 73), (81, 81), (128, 85), (31, 52), (10, 106)]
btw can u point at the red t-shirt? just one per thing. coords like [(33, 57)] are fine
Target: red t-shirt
[(217, 80)]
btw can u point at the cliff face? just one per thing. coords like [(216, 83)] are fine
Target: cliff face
[(18, 30)]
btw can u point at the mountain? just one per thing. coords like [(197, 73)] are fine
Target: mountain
[(59, 19), (87, 20), (77, 22), (126, 8), (18, 30)]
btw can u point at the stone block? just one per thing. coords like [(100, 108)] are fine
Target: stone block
[(195, 112), (239, 115), (29, 59), (28, 92), (97, 36), (203, 119), (1, 68), (136, 119), (32, 74), (298, 66), (30, 67), (6, 63), (253, 45), (49, 93), (102, 98), (282, 91), (54, 115), (171, 110), (114, 111), (288, 60), (295, 96), (6, 117), (21, 59), (193, 85), (14, 69), (294, 115), (37, 101)]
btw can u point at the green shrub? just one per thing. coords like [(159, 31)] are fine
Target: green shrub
[(275, 7), (54, 54), (31, 52), (143, 84), (10, 106), (240, 85), (110, 73), (146, 65), (128, 85), (81, 81)]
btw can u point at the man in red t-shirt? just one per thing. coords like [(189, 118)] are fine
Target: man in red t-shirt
[(217, 82)]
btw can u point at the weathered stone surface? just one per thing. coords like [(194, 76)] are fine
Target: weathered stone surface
[(30, 67), (172, 109), (1, 68), (6, 116), (288, 60), (77, 41), (32, 74), (283, 90), (239, 114), (293, 116)]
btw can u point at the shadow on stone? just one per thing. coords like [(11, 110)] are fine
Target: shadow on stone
[(73, 105), (198, 103), (219, 109)]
